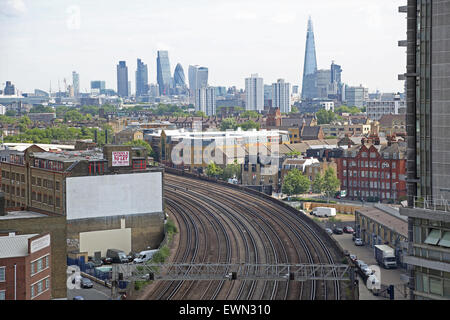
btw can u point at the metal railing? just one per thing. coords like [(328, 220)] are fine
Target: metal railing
[(431, 203)]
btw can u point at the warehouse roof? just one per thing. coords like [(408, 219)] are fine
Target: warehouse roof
[(385, 219), (14, 245)]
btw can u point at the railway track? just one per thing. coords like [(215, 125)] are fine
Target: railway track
[(220, 224)]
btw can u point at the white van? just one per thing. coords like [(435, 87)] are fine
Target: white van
[(324, 212), (145, 256)]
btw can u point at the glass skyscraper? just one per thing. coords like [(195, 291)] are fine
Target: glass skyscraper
[(178, 76), (163, 76), (122, 79), (309, 89), (76, 83), (141, 78)]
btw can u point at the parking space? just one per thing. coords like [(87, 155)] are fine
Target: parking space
[(388, 276)]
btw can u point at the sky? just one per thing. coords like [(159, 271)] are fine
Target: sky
[(43, 41)]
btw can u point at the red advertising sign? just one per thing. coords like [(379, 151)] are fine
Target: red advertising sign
[(120, 158)]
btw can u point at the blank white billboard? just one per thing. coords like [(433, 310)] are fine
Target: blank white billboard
[(113, 195)]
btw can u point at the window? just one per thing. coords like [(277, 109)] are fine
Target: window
[(2, 274), (393, 164), (39, 197), (58, 202), (45, 198), (39, 181), (33, 181), (50, 200), (32, 291), (2, 295), (433, 237), (47, 283), (57, 185)]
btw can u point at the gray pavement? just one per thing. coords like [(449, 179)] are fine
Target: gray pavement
[(98, 292), (365, 253)]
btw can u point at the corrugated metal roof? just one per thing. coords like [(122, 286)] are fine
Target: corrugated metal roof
[(14, 246)]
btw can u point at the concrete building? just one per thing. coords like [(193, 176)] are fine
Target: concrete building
[(281, 96), (122, 79), (25, 266), (76, 83), (377, 108), (254, 93), (428, 165), (356, 96), (205, 100), (141, 78)]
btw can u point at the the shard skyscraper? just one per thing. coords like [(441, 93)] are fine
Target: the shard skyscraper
[(309, 89)]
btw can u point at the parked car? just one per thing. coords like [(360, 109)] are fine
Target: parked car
[(78, 298), (359, 242), (86, 283), (145, 256), (117, 256), (353, 257), (348, 229), (359, 263), (106, 260), (338, 231), (367, 271), (329, 231)]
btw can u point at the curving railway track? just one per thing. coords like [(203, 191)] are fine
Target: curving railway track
[(221, 224)]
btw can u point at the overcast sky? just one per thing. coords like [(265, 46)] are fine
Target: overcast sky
[(45, 40)]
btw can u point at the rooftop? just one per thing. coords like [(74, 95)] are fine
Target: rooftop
[(14, 245), (392, 222), (21, 215)]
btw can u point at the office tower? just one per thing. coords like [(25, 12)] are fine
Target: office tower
[(98, 85), (336, 72), (323, 77), (153, 90), (202, 77), (336, 86), (428, 164), (76, 83), (192, 77), (254, 93), (122, 79), (178, 76), (356, 96), (281, 96), (141, 78), (309, 90), (206, 100), (294, 89), (163, 76), (10, 89)]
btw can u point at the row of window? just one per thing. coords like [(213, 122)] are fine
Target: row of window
[(40, 287), (369, 174), (48, 164), (40, 182), (2, 274), (45, 198), (13, 176), (433, 285), (20, 192), (365, 193), (369, 164), (40, 264), (384, 155), (369, 184)]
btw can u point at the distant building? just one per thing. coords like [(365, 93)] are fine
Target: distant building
[(309, 89), (76, 83), (141, 78), (122, 79), (281, 96), (377, 108), (205, 100), (42, 117), (98, 85), (179, 77), (322, 83), (254, 93), (9, 90), (163, 72), (356, 96)]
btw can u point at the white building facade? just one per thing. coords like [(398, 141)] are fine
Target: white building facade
[(281, 96), (254, 93)]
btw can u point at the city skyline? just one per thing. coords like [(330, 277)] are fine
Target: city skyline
[(67, 43)]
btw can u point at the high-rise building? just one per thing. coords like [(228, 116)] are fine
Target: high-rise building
[(163, 76), (322, 83), (254, 93), (198, 78), (281, 96), (122, 79), (179, 78), (206, 100), (97, 84), (76, 83), (141, 78), (10, 89), (428, 164), (309, 90), (336, 72), (356, 96)]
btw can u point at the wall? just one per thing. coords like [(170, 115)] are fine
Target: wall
[(93, 241), (113, 195)]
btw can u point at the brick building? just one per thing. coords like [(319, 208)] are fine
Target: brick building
[(372, 172), (25, 266)]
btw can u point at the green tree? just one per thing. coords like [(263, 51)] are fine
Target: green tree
[(10, 113), (294, 109), (142, 143), (295, 183), (331, 182), (232, 170), (228, 123), (42, 109), (318, 184), (73, 116), (249, 114), (200, 114), (213, 170), (294, 153), (325, 117), (247, 125)]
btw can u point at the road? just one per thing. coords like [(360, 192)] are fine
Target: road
[(98, 292)]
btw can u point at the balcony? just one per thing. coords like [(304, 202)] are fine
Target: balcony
[(430, 203)]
